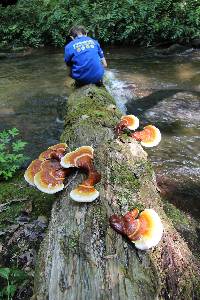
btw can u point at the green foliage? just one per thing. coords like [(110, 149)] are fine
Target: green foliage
[(12, 279), (132, 21), (11, 156)]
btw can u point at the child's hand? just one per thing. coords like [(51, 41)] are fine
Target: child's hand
[(104, 62)]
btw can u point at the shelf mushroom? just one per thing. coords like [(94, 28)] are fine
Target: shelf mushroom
[(60, 149), (129, 121), (150, 136), (144, 229), (82, 158), (32, 169), (48, 172), (54, 152), (75, 158), (85, 192), (47, 167), (51, 176)]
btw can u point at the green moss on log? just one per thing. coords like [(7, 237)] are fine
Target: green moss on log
[(18, 189), (92, 109), (125, 176)]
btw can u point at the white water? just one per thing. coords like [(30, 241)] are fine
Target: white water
[(118, 89)]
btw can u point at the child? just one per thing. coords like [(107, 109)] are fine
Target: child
[(84, 57)]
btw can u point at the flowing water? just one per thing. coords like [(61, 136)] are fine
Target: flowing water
[(161, 89), (165, 91)]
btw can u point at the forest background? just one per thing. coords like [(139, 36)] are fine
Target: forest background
[(142, 22)]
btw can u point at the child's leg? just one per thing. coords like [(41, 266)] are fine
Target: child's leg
[(99, 83)]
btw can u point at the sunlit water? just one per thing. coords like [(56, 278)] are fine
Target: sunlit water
[(165, 91), (32, 96), (162, 90)]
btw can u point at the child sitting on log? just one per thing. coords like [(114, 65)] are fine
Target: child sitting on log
[(85, 58)]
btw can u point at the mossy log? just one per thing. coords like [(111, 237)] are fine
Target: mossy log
[(81, 256)]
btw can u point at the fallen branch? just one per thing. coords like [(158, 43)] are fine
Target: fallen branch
[(82, 257)]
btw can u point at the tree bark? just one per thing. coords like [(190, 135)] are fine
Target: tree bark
[(81, 256)]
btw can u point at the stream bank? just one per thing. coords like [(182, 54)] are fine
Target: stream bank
[(24, 215)]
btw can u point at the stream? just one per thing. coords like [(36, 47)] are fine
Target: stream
[(163, 90)]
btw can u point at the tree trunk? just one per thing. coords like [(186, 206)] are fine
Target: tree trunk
[(82, 257)]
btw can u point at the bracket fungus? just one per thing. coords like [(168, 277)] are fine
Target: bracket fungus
[(129, 121), (144, 229), (32, 169), (85, 192), (54, 152), (150, 136), (46, 173), (72, 159), (49, 171), (51, 177), (82, 158)]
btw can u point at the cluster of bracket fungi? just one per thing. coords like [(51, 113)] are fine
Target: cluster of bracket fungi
[(49, 171), (150, 136), (144, 229), (83, 158)]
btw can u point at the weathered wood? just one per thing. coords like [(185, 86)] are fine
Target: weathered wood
[(81, 256)]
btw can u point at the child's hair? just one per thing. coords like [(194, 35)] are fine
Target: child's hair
[(76, 30)]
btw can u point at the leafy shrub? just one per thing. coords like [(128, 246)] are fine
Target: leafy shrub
[(36, 22), (12, 279), (11, 156)]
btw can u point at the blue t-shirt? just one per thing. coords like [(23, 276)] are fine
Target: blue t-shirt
[(84, 55)]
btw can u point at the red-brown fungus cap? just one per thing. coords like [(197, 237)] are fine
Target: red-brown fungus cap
[(150, 136), (46, 160), (54, 152), (82, 158), (93, 178), (71, 159), (144, 231), (47, 154), (32, 169), (129, 121), (51, 164), (125, 224), (151, 230), (85, 192), (51, 177), (60, 149)]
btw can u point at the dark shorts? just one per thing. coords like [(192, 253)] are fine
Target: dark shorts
[(78, 83)]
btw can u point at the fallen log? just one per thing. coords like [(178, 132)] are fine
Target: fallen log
[(81, 256)]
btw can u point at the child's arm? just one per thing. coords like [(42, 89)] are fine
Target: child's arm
[(68, 56), (104, 62), (101, 54)]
